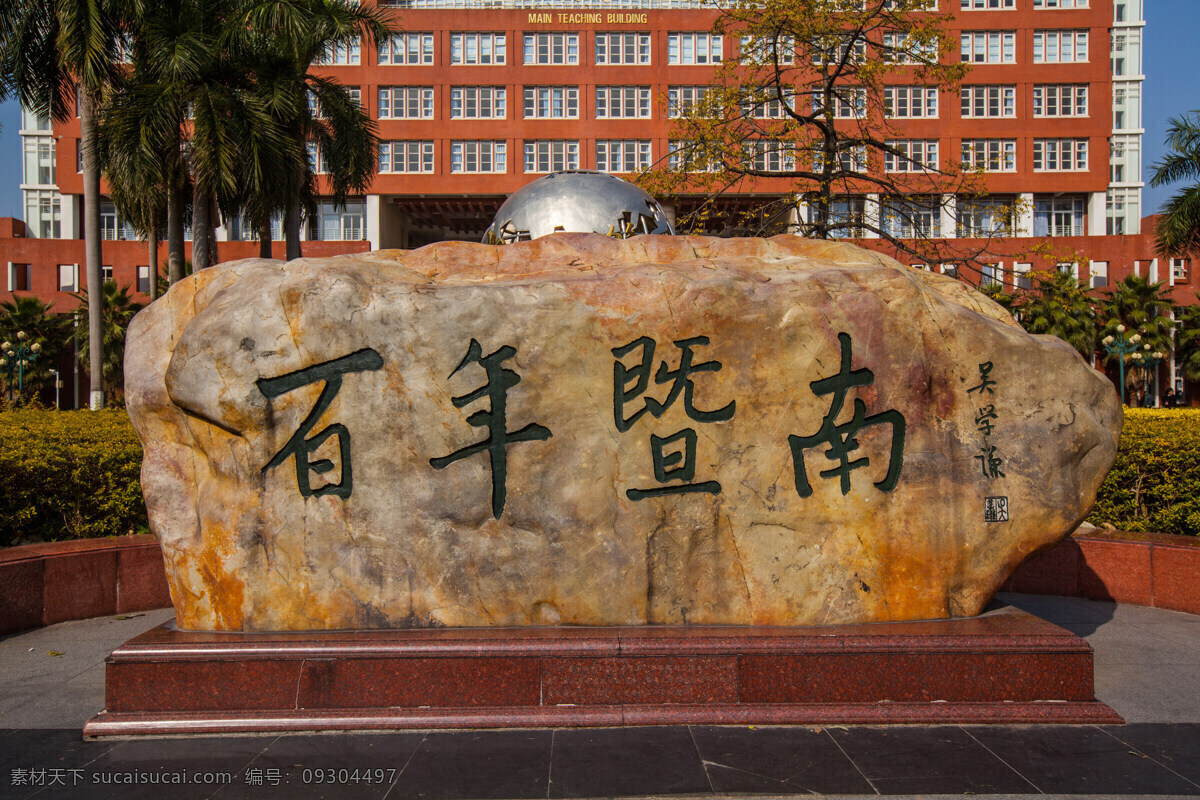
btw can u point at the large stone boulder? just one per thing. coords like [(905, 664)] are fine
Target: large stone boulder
[(585, 431)]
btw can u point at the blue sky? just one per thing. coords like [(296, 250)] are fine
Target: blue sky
[(1170, 63)]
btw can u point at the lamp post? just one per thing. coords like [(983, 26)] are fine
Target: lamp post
[(1123, 347), (1148, 361), (16, 360)]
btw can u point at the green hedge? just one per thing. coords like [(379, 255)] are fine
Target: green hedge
[(74, 475), (1155, 484), (68, 475)]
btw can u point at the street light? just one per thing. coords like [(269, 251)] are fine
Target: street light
[(1149, 361), (16, 360), (1125, 346)]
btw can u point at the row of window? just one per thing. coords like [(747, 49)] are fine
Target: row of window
[(628, 155), (635, 102), (1009, 5), (695, 47)]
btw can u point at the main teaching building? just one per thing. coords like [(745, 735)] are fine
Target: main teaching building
[(479, 97)]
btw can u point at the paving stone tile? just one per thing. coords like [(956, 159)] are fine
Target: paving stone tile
[(1175, 746), (477, 764), (1084, 760), (927, 760), (626, 761), (776, 760)]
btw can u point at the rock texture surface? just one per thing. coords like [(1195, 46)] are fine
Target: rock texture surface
[(581, 430)]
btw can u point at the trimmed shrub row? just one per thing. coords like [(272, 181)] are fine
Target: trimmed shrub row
[(74, 475), (1155, 484), (68, 475)]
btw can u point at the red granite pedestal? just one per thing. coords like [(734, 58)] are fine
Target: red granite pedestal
[(1003, 667)]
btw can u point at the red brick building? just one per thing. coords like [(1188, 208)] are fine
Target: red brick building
[(479, 97)]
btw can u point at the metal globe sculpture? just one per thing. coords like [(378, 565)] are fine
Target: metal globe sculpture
[(581, 201)]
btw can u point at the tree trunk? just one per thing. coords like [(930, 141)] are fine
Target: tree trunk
[(291, 225), (214, 220), (92, 251), (264, 240), (200, 223), (175, 244), (152, 251)]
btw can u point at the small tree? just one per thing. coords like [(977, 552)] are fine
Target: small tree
[(809, 103), (51, 331), (1144, 309), (1057, 304), (119, 309)]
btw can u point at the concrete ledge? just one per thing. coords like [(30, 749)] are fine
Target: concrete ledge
[(41, 584)]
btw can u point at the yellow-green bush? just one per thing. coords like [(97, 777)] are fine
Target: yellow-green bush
[(68, 475), (1155, 484)]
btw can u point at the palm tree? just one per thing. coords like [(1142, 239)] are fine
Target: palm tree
[(1178, 232), (1058, 304), (295, 35), (1187, 340), (119, 309), (49, 329), (1145, 310), (46, 50)]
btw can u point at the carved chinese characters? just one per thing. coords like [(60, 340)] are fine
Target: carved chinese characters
[(580, 430)]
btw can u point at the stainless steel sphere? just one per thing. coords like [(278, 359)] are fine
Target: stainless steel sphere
[(577, 200)]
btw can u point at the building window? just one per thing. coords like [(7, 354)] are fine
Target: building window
[(778, 50), (1060, 3), (993, 155), (769, 103), (112, 227), (338, 224), (1126, 52), (551, 155), (478, 102), (1127, 106), (853, 49), (769, 155), (316, 159), (623, 155), (622, 102), (343, 53), (1060, 47), (911, 217), (477, 48), (406, 156), (1021, 279), (1179, 270), (551, 102), (989, 47), (622, 48), (847, 217), (68, 277), (20, 277), (918, 155), (983, 216), (39, 160), (42, 213), (33, 122), (1125, 158), (407, 48), (846, 102), (143, 279), (991, 275), (987, 5), (850, 158), (1098, 272), (478, 156), (552, 48), (106, 274), (1123, 211), (682, 99), (905, 102), (1060, 100), (406, 102), (1058, 216), (683, 155), (695, 48), (1060, 155), (989, 101), (902, 48)]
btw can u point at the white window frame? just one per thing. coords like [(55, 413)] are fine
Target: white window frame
[(550, 102), (406, 49), (413, 102), (550, 155), (618, 47), (680, 99), (552, 47), (899, 102), (410, 155), (470, 156), (72, 273), (623, 155), (988, 47), (922, 155), (849, 102), (695, 47), (991, 155), (986, 98), (1065, 99), (623, 102), (478, 48), (987, 5), (1060, 46), (347, 53), (1060, 155), (477, 98)]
